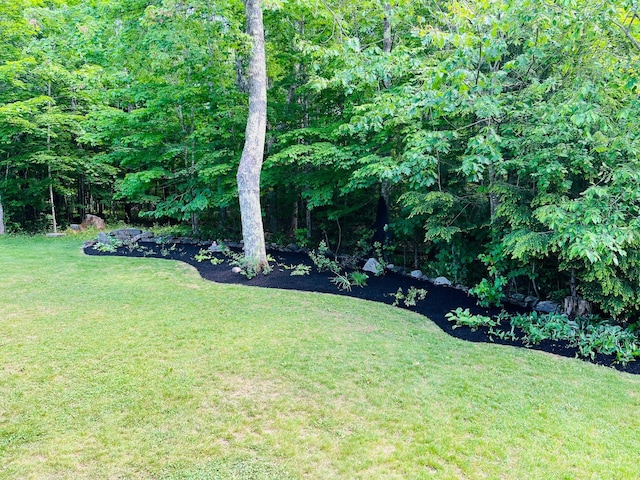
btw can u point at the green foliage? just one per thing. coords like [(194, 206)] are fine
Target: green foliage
[(590, 335), (379, 255), (609, 340), (321, 260), (204, 254), (359, 279), (300, 270), (166, 250), (248, 267), (110, 247), (411, 298), (464, 318), (489, 293), (507, 129), (537, 327), (342, 281)]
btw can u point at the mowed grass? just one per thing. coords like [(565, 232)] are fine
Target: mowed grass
[(138, 368)]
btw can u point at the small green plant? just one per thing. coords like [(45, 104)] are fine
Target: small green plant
[(321, 260), (249, 268), (203, 255), (378, 251), (301, 237), (489, 293), (359, 279), (467, 319), (411, 298), (166, 251), (511, 334), (216, 261), (342, 282), (110, 247), (300, 270)]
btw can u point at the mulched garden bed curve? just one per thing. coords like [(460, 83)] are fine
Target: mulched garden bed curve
[(439, 301)]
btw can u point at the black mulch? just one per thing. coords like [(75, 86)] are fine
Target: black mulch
[(439, 301)]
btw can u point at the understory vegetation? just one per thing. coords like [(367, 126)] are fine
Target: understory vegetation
[(590, 335), (138, 368), (504, 137)]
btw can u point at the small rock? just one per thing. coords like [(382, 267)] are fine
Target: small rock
[(442, 281), (292, 247), (517, 297), (75, 227), (416, 274), (546, 306), (103, 238), (236, 270), (530, 300), (462, 288), (372, 266), (393, 268)]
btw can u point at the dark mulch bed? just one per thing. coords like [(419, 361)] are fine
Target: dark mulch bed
[(439, 301)]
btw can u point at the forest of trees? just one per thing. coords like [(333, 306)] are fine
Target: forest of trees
[(504, 135)]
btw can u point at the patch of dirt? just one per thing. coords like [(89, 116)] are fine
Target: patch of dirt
[(440, 300)]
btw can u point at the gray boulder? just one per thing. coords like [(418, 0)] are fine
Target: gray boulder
[(442, 281), (416, 274), (547, 306), (93, 221), (372, 266), (292, 247), (104, 238), (126, 234)]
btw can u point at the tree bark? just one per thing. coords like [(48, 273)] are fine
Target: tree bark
[(51, 198), (387, 40), (1, 218), (248, 176)]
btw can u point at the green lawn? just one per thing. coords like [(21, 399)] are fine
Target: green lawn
[(138, 368)]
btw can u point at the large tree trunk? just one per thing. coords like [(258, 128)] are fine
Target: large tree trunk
[(248, 176)]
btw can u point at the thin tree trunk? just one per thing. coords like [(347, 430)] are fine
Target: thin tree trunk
[(51, 199), (1, 218), (294, 217), (387, 41), (53, 205), (387, 44), (248, 176)]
